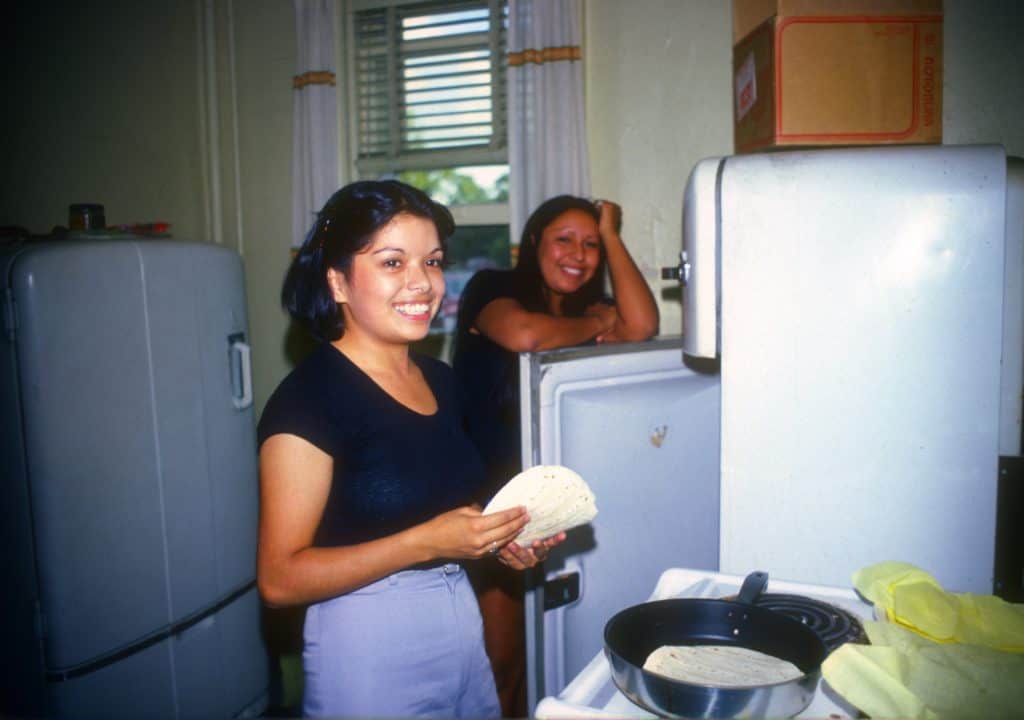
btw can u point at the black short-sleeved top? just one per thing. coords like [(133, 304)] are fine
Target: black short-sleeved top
[(393, 468), (490, 377)]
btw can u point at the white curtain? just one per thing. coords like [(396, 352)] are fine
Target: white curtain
[(547, 137), (315, 114)]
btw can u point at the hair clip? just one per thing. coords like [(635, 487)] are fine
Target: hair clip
[(323, 232)]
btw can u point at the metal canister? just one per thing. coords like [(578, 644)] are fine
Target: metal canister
[(86, 216)]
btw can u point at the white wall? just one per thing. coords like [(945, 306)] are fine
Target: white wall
[(659, 98), (659, 81)]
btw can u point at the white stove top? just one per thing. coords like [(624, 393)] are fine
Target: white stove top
[(592, 694)]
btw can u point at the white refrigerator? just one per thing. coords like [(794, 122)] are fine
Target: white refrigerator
[(128, 505), (846, 385)]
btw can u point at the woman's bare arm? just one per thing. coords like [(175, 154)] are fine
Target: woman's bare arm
[(514, 328), (636, 310), (295, 479)]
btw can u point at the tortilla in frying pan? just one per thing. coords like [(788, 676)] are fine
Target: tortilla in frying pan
[(720, 666)]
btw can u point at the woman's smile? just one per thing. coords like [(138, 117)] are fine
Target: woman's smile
[(415, 311)]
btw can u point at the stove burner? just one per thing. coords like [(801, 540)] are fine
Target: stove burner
[(833, 625)]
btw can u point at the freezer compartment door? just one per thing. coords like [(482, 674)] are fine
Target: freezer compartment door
[(642, 429)]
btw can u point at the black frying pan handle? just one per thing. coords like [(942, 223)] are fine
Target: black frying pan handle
[(753, 585)]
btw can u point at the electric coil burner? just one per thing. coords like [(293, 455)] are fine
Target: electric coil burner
[(833, 625)]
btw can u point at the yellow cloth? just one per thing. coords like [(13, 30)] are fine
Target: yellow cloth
[(943, 655), (913, 598)]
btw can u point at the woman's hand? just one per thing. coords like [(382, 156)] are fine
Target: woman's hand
[(518, 557), (465, 533), (607, 314), (609, 222), (609, 317)]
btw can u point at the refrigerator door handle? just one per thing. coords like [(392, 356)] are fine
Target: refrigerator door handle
[(240, 357)]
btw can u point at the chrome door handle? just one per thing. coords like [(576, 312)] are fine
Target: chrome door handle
[(680, 272)]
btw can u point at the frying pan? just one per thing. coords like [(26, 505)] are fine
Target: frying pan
[(634, 633)]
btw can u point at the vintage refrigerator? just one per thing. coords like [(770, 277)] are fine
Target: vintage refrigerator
[(129, 492), (846, 390)]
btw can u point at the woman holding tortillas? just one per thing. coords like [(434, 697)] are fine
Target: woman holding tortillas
[(367, 479), (553, 298)]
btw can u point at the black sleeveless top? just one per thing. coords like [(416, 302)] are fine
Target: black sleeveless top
[(393, 468)]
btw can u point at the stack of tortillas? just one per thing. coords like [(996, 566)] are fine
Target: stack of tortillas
[(556, 498)]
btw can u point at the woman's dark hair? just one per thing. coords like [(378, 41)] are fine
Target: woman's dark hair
[(528, 266), (344, 227)]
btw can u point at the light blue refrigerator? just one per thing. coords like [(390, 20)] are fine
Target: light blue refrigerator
[(130, 492), (846, 390)]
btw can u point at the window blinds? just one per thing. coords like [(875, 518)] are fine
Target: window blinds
[(429, 82)]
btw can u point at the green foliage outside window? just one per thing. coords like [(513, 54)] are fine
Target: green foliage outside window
[(460, 186)]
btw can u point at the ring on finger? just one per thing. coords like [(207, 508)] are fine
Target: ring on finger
[(494, 548)]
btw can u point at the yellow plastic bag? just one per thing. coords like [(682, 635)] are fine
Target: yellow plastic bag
[(913, 598), (905, 675), (941, 655)]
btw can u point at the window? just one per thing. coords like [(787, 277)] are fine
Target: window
[(428, 90), (429, 84)]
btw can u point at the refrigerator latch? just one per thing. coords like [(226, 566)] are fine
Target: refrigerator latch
[(561, 590), (680, 272), (240, 362)]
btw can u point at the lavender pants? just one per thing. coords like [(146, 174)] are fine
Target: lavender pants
[(410, 644)]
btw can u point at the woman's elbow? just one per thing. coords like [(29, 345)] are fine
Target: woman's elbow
[(649, 329), (273, 592), (530, 342), (523, 340), (638, 331), (269, 593), (649, 325)]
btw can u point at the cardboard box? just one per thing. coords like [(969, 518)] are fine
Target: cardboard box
[(748, 14), (837, 72)]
